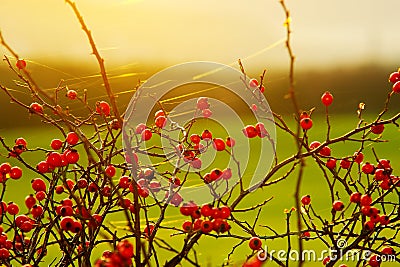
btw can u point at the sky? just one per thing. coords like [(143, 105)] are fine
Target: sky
[(150, 32)]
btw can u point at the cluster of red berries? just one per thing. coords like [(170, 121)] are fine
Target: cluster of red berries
[(217, 174), (365, 201), (8, 171), (120, 257), (251, 131), (214, 218), (203, 105), (382, 174), (57, 160), (305, 121), (18, 244), (394, 78)]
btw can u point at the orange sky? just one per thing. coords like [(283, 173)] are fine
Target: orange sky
[(326, 33)]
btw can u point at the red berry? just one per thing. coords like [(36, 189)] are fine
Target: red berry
[(215, 174), (358, 157), (12, 208), (59, 189), (43, 167), (161, 121), (326, 260), (331, 164), (67, 223), (196, 214), (327, 98), (253, 83), (384, 164), (110, 171), (16, 172), (82, 183), (387, 251), (30, 200), (385, 184), (72, 94), (378, 128), (146, 134), (72, 138), (261, 131), (56, 144), (345, 163), (396, 87), (381, 174), (195, 138), (255, 243), (125, 249), (325, 151), (36, 211), (230, 142), (306, 200), (250, 131), (306, 123), (139, 128), (365, 200), (225, 212), (20, 219), (368, 168), (103, 108), (67, 202), (206, 210), (36, 108), (4, 253), (202, 103), (38, 184), (148, 230), (54, 159), (21, 142), (206, 135), (40, 195), (226, 174), (355, 197), (218, 144), (196, 163), (188, 208), (306, 235), (124, 182), (338, 205), (384, 220), (187, 226), (374, 261), (207, 113), (72, 156), (314, 144), (76, 227), (5, 168), (21, 64), (115, 124), (206, 226), (394, 77)]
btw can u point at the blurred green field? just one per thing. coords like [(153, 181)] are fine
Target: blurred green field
[(211, 251)]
